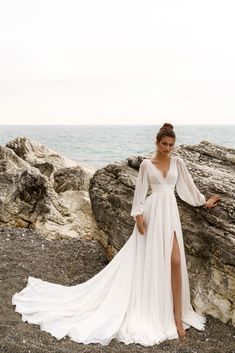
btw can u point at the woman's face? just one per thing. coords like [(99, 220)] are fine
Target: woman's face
[(166, 145)]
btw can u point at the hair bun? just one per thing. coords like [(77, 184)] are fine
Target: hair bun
[(166, 126)]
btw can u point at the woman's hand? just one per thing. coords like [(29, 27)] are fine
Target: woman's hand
[(141, 225), (212, 201)]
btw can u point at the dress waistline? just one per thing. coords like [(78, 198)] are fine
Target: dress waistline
[(163, 188)]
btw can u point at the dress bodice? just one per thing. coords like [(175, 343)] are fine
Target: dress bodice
[(163, 188), (156, 177), (177, 177)]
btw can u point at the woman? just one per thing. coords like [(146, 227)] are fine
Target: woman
[(142, 295), (162, 162)]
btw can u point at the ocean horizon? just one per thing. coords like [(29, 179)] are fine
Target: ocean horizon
[(99, 145)]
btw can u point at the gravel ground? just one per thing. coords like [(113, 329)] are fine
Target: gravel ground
[(24, 253)]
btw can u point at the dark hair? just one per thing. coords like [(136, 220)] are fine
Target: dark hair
[(165, 130)]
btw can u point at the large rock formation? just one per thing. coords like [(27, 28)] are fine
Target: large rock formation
[(209, 235), (45, 191)]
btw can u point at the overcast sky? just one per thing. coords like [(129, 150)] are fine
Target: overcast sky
[(122, 61)]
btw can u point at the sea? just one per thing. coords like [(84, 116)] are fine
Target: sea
[(98, 145)]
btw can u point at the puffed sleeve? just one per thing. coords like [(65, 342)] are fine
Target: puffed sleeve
[(141, 189), (185, 187)]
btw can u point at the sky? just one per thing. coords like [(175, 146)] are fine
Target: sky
[(122, 61)]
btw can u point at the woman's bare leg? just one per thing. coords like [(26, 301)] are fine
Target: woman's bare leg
[(176, 285)]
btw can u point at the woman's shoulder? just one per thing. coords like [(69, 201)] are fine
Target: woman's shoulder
[(180, 163), (178, 159), (144, 161)]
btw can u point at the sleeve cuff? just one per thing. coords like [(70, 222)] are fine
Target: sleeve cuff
[(137, 212)]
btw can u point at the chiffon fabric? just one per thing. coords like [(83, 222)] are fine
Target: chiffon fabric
[(131, 298)]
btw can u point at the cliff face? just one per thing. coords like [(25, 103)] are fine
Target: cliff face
[(209, 235)]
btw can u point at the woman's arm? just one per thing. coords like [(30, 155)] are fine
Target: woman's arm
[(141, 189), (188, 191)]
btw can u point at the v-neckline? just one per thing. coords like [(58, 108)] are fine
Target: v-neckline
[(160, 172)]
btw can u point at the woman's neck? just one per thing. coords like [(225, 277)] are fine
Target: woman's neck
[(162, 157)]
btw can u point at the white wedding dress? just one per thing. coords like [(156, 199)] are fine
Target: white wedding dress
[(131, 298)]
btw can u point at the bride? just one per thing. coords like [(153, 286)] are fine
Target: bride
[(143, 294)]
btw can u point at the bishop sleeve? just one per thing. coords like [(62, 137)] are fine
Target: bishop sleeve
[(141, 189), (185, 187)]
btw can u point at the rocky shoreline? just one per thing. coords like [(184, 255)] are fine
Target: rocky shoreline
[(25, 252), (63, 222)]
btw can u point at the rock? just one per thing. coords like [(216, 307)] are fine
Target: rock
[(37, 154), (51, 164), (111, 194), (209, 235), (45, 191), (73, 178)]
